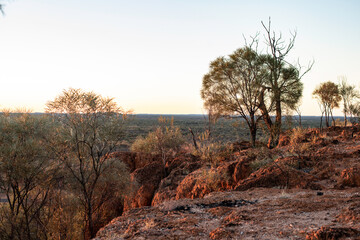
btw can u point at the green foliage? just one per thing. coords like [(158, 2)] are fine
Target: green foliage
[(354, 110), (283, 83), (233, 85)]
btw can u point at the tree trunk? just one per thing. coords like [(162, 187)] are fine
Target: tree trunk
[(90, 221), (321, 119), (333, 122), (327, 118), (345, 113), (194, 139), (265, 114), (276, 128), (253, 130), (345, 120)]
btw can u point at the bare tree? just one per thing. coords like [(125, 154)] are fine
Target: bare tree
[(283, 84), (90, 127), (27, 176)]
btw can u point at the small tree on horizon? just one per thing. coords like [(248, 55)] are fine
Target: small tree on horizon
[(328, 97), (348, 94)]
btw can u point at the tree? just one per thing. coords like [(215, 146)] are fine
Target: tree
[(27, 175), (328, 96), (233, 85), (348, 94), (90, 127), (282, 87), (354, 110), (298, 111)]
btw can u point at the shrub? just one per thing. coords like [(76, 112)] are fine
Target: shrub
[(213, 179), (298, 135), (209, 151), (159, 141), (165, 140), (262, 156)]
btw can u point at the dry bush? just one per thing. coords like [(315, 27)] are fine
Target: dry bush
[(298, 144), (148, 224), (262, 156), (298, 135), (166, 140), (209, 151), (213, 179)]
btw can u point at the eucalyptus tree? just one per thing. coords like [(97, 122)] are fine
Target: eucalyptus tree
[(328, 96), (233, 86), (348, 94), (90, 128)]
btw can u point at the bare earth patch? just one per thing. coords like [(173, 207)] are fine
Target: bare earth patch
[(260, 213)]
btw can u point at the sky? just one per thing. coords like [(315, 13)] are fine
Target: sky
[(151, 55)]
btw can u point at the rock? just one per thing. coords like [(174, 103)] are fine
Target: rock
[(206, 180), (221, 233), (167, 187), (284, 140), (147, 179), (350, 214), (333, 233), (277, 175), (350, 177), (242, 169), (193, 185)]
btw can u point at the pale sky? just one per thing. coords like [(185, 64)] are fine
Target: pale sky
[(151, 55)]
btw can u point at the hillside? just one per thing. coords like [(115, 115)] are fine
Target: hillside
[(308, 187)]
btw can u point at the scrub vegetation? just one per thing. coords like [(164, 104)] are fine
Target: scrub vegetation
[(59, 174)]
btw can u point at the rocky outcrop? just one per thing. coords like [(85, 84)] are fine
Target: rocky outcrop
[(206, 179), (147, 180), (188, 179), (179, 168), (350, 177), (282, 198), (278, 175), (242, 169), (334, 233), (254, 214)]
